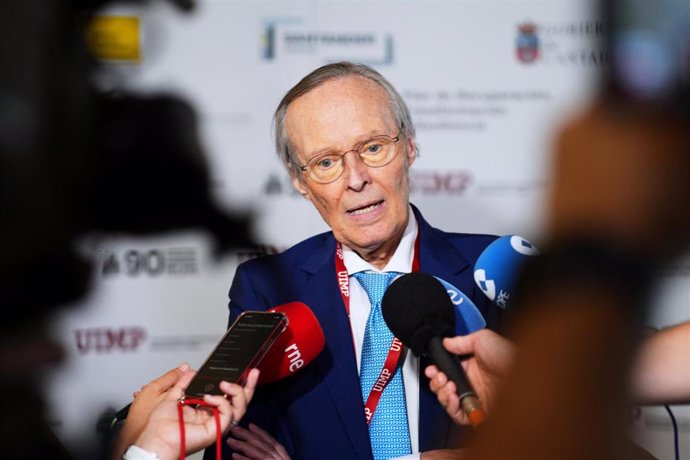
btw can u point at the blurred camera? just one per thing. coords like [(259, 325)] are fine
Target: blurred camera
[(649, 48)]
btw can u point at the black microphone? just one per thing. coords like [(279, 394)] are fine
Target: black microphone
[(419, 312)]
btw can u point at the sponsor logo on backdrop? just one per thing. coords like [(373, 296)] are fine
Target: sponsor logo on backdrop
[(174, 261), (109, 339), (279, 184), (527, 43), (257, 251), (465, 110), (575, 43), (291, 37), (512, 187), (439, 182), (134, 339), (181, 341)]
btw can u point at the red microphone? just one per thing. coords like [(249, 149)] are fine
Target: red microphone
[(297, 346)]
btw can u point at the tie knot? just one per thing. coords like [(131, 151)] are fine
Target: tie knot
[(375, 284)]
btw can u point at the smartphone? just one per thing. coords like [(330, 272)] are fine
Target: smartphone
[(242, 348), (649, 46)]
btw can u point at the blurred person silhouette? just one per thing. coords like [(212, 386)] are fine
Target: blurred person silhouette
[(64, 149), (619, 208)]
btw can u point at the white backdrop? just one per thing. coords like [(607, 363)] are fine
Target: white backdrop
[(485, 115)]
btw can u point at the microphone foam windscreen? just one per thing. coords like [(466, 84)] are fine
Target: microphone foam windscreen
[(297, 346), (416, 307)]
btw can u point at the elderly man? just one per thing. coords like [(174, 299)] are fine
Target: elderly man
[(347, 140)]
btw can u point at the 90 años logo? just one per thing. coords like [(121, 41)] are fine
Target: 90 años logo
[(153, 262)]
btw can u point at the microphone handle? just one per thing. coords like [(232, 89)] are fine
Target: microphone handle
[(450, 365)]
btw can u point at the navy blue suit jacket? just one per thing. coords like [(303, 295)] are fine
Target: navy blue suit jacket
[(318, 412)]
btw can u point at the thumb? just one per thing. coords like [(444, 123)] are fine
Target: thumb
[(460, 345)]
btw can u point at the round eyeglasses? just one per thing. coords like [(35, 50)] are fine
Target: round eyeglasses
[(374, 152)]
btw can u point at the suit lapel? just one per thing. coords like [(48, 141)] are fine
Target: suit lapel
[(340, 373)]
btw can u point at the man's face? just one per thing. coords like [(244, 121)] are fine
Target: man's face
[(365, 207)]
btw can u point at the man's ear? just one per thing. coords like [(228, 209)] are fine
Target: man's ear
[(411, 150), (298, 185)]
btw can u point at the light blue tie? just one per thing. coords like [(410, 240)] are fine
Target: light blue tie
[(388, 431)]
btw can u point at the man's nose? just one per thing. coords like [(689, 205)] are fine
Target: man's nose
[(356, 172)]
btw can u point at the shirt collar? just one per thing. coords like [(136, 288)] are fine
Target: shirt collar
[(401, 261)]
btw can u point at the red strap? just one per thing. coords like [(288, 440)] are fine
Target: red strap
[(216, 415), (391, 363), (383, 379)]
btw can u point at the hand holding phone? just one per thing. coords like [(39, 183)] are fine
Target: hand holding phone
[(242, 347)]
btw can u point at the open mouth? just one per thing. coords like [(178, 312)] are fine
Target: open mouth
[(365, 209)]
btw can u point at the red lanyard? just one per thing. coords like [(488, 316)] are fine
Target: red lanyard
[(395, 349), (216, 415)]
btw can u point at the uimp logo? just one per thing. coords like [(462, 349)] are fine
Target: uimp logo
[(486, 285), (527, 43), (343, 283), (106, 339)]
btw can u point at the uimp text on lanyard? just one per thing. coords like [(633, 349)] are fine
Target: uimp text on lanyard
[(395, 350)]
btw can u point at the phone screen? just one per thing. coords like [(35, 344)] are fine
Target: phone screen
[(241, 348)]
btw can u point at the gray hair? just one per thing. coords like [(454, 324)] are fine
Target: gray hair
[(321, 75)]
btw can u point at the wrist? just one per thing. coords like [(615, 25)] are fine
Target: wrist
[(135, 452), (156, 444)]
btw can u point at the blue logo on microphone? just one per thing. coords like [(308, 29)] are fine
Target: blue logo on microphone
[(467, 316), (487, 286), (497, 267), (523, 246)]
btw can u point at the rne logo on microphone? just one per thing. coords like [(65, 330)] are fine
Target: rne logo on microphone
[(295, 357)]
